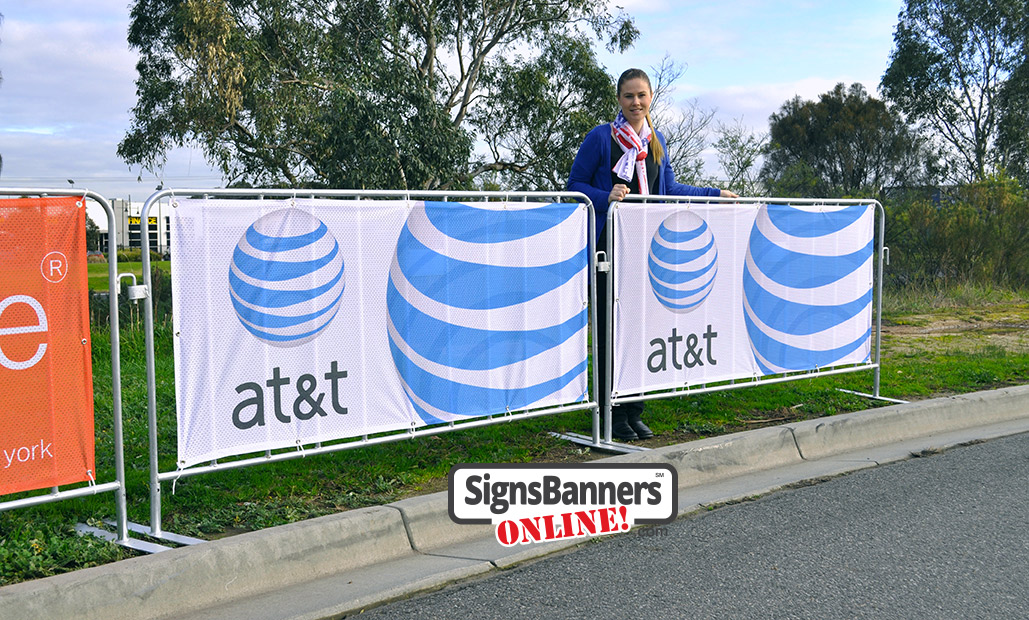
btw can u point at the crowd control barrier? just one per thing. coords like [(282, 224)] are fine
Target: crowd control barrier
[(308, 322), (713, 294), (46, 377)]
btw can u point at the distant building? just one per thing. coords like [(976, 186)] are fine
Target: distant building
[(131, 228)]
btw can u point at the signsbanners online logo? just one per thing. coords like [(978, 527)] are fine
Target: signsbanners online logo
[(530, 503), (287, 278)]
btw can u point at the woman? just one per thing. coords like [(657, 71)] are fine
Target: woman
[(617, 159)]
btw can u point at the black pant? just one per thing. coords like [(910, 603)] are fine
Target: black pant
[(627, 409)]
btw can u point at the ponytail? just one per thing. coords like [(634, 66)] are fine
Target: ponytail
[(655, 144)]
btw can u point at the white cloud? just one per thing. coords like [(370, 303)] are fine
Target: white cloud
[(754, 103), (65, 100), (64, 70)]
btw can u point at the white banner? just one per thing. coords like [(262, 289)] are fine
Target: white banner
[(707, 293), (300, 321)]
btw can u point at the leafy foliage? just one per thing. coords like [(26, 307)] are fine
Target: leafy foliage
[(30, 550), (1013, 125), (524, 117), (362, 93), (738, 152), (846, 143), (959, 66), (978, 233), (92, 234)]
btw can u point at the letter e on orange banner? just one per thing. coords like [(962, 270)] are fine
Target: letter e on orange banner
[(46, 387)]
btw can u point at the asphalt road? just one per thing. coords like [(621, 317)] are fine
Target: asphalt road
[(945, 535)]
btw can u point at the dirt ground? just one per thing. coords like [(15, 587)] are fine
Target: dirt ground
[(1005, 327)]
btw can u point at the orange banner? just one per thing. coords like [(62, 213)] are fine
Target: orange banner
[(46, 387)]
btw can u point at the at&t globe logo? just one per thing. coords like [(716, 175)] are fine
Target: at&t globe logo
[(287, 278), (683, 262)]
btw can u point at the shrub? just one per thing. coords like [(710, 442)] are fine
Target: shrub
[(978, 233), (135, 255)]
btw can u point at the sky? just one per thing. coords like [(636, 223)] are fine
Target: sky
[(69, 77)]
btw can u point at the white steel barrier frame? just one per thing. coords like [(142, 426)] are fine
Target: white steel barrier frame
[(732, 384), (121, 537), (157, 477)]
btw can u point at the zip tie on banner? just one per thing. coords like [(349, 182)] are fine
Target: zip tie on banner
[(92, 480), (82, 201), (300, 448), (174, 203), (175, 480)]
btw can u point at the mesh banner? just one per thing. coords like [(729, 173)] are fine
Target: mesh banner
[(46, 387), (708, 293), (306, 320)]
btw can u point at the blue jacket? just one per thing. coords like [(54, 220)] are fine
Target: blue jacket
[(591, 173)]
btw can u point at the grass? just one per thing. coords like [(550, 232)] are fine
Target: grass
[(919, 362), (966, 297), (96, 273)]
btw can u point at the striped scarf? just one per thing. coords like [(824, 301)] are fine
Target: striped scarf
[(634, 151)]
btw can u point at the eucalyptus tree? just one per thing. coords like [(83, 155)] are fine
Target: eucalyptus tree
[(959, 67), (739, 150), (845, 143), (366, 93)]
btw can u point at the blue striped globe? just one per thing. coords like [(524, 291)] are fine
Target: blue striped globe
[(807, 287), (683, 262), (479, 315), (287, 277)]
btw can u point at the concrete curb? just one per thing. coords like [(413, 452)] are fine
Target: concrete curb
[(192, 578), (825, 437), (257, 564), (717, 458), (429, 526)]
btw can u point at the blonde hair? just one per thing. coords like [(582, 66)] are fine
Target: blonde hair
[(640, 74)]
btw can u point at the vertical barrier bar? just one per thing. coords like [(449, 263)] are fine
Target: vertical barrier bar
[(591, 245), (151, 380), (113, 289), (610, 327), (881, 211)]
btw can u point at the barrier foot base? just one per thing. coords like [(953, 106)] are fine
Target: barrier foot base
[(874, 397), (607, 446), (178, 539), (130, 543)]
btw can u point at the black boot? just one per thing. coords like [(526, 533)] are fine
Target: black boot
[(634, 422), (620, 428)]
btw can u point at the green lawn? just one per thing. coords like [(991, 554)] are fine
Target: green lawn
[(97, 273)]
